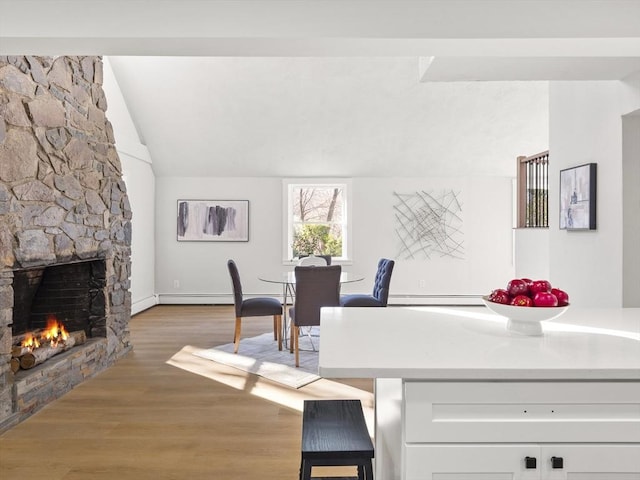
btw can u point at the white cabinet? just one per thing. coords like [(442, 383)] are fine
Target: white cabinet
[(508, 430), (591, 462), (522, 462), (469, 462)]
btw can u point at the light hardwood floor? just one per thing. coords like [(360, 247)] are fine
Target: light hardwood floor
[(146, 419)]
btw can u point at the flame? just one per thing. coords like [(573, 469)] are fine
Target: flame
[(55, 331), (53, 335), (30, 342)]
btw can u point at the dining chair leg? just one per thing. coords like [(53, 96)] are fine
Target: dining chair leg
[(297, 347), (291, 329), (275, 327), (278, 320), (236, 335)]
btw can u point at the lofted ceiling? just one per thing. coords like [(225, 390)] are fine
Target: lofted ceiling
[(325, 116), (194, 72)]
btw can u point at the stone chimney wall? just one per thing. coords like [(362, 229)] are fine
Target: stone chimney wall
[(62, 196)]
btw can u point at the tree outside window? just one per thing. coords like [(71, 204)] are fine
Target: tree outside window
[(317, 219)]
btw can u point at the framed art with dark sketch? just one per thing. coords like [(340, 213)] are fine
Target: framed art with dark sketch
[(578, 197), (213, 221)]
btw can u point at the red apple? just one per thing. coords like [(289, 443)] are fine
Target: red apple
[(500, 296), (562, 296), (545, 299), (516, 287), (539, 286), (522, 301)]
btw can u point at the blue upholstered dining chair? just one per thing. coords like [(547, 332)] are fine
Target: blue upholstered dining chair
[(253, 307), (316, 287), (380, 289)]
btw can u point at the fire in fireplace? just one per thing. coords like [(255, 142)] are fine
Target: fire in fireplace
[(36, 347)]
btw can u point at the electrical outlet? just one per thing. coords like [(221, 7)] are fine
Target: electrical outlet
[(176, 284), (422, 283)]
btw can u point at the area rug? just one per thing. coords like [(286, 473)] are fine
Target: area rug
[(260, 355)]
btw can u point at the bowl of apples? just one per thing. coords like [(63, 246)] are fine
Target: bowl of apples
[(526, 303)]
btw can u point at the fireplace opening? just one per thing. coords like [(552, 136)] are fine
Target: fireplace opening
[(74, 293)]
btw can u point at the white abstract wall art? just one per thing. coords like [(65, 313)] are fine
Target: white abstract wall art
[(429, 224), (213, 220)]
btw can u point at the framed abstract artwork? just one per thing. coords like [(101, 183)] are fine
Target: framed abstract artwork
[(578, 197), (213, 221)]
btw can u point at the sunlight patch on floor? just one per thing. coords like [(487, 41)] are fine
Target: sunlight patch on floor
[(271, 391)]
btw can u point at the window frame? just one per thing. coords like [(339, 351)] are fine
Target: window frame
[(288, 185), (528, 177)]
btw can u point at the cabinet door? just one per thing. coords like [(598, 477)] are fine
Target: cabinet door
[(590, 462), (521, 412), (470, 462)]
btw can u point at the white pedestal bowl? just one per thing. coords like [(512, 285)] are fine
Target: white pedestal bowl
[(524, 320)]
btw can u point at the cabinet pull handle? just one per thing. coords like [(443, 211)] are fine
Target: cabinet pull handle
[(530, 462), (557, 462)]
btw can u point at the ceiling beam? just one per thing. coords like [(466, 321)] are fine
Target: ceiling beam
[(321, 27)]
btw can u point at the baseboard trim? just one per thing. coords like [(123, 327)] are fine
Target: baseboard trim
[(227, 299), (197, 298), (141, 305)]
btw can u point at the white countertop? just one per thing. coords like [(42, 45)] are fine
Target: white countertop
[(472, 343)]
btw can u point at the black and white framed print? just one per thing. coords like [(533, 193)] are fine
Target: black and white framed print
[(213, 220), (578, 197)]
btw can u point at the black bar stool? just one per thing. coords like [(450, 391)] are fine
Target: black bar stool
[(334, 433)]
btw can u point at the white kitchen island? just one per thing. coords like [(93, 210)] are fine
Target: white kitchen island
[(460, 398)]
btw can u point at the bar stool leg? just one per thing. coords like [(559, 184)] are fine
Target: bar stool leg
[(305, 470), (369, 471)]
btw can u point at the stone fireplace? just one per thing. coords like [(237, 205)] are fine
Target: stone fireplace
[(65, 225)]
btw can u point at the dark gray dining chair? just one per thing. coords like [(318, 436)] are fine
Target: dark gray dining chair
[(253, 307), (316, 287), (381, 285)]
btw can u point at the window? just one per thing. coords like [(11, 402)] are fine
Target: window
[(533, 191), (317, 218)]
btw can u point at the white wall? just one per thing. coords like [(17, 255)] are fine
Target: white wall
[(486, 213), (140, 180), (475, 130), (585, 120), (200, 267), (531, 253), (472, 131), (586, 126), (631, 210)]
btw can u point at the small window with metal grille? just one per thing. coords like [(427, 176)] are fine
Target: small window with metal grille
[(533, 191)]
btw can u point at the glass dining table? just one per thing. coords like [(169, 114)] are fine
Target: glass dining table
[(288, 282)]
